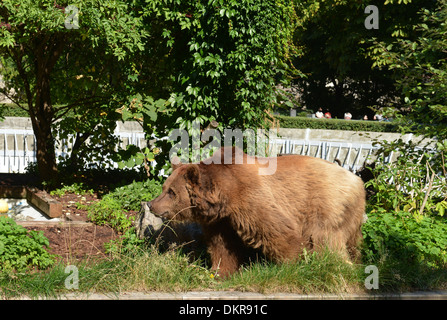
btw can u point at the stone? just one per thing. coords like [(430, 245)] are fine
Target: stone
[(168, 234)]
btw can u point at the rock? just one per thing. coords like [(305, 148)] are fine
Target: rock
[(168, 233)]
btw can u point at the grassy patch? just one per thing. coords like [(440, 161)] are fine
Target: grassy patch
[(146, 269), (316, 273), (140, 270)]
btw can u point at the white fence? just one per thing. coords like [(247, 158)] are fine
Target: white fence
[(18, 149), (351, 156)]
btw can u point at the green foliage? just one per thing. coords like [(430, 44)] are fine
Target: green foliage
[(21, 249), (399, 235), (111, 209), (228, 75), (134, 157), (228, 58), (109, 212), (163, 63), (337, 48), (127, 243), (130, 196), (420, 66), (415, 181), (406, 212), (86, 66), (336, 124), (333, 42), (76, 188)]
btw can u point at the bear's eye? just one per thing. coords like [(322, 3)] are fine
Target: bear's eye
[(171, 192)]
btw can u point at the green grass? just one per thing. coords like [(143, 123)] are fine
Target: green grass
[(141, 270), (149, 270), (171, 271), (317, 273)]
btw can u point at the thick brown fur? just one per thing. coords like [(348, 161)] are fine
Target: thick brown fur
[(308, 203)]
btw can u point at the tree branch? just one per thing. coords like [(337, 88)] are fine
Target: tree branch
[(85, 101), (5, 92)]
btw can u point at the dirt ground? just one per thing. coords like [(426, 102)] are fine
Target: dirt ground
[(75, 242), (80, 241)]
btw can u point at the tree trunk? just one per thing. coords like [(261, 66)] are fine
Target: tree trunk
[(42, 117), (47, 51), (46, 156)]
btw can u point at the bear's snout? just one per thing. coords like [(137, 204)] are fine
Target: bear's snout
[(157, 210)]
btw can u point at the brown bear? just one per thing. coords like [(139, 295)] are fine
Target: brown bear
[(308, 203)]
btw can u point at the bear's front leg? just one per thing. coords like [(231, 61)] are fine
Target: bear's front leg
[(224, 246)]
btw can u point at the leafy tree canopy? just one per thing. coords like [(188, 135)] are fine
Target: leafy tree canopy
[(164, 63), (337, 54), (420, 65)]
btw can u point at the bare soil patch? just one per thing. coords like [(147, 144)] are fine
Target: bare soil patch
[(78, 241), (70, 242)]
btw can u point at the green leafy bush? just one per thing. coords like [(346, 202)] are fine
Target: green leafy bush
[(402, 237), (20, 248), (111, 209), (415, 181), (127, 243), (130, 196), (406, 219)]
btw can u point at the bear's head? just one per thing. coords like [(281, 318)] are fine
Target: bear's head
[(187, 195)]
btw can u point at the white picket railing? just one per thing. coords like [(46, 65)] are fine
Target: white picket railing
[(18, 149), (351, 156), (15, 150)]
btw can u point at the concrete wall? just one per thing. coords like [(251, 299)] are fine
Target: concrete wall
[(343, 136), (16, 123)]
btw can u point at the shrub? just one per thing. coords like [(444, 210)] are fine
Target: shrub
[(402, 237), (127, 243), (111, 209), (130, 196), (406, 221), (20, 248), (414, 182)]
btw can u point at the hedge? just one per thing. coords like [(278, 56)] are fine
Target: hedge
[(284, 121), (11, 110), (336, 124)]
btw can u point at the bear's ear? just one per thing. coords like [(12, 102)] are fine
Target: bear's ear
[(192, 174)]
